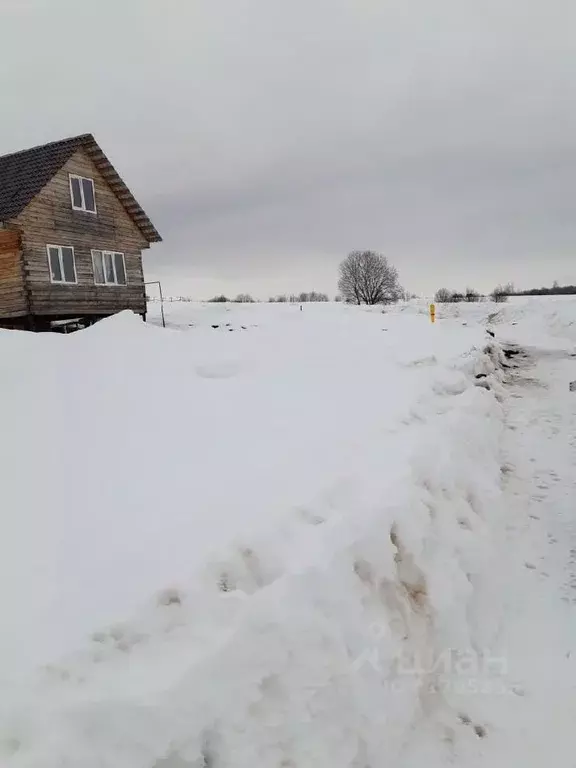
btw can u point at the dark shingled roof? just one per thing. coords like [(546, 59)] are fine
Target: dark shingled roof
[(24, 174)]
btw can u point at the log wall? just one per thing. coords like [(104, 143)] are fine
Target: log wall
[(50, 220), (13, 300)]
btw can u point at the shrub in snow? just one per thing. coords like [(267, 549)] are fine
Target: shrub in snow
[(443, 296), (499, 294), (472, 296), (221, 299)]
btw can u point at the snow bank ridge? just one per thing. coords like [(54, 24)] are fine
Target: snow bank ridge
[(295, 650)]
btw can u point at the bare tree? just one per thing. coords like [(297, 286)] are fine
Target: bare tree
[(310, 296), (244, 298), (443, 296), (471, 295), (367, 277), (221, 299), (500, 294), (509, 289)]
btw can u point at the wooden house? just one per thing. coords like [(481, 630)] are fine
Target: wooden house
[(71, 237)]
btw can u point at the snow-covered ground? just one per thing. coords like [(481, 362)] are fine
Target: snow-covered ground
[(527, 717), (272, 537)]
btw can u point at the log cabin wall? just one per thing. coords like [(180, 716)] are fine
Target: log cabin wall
[(13, 298), (49, 219)]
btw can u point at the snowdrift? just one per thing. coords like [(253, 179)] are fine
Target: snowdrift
[(241, 545), (533, 321)]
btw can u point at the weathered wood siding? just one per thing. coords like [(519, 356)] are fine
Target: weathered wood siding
[(50, 219), (12, 292)]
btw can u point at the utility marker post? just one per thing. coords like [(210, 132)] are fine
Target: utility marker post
[(432, 313)]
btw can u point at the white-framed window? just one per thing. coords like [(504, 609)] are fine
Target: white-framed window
[(62, 263), (82, 194), (109, 268)]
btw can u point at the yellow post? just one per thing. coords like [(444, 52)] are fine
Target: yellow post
[(432, 313)]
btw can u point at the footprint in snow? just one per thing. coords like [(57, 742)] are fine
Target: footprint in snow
[(479, 730), (431, 360)]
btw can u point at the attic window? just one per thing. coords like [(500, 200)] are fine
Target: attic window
[(82, 194)]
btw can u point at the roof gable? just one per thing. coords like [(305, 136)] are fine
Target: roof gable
[(24, 174)]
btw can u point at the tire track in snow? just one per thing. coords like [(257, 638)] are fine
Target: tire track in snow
[(531, 716), (539, 631)]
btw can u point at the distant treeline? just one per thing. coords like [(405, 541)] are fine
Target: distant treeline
[(555, 290), (246, 298), (501, 293), (301, 298), (445, 296)]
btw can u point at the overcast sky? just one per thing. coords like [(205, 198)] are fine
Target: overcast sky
[(267, 138)]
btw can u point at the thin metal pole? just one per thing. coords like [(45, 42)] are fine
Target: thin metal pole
[(161, 305), (159, 284)]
